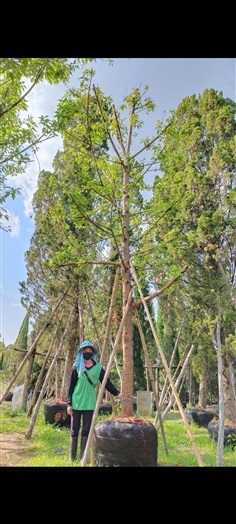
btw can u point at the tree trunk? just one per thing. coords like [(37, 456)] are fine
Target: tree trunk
[(190, 387), (233, 377), (220, 442), (229, 392), (27, 380), (203, 384), (127, 335), (70, 353), (58, 388)]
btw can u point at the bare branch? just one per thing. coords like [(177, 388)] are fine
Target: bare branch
[(160, 291), (26, 93)]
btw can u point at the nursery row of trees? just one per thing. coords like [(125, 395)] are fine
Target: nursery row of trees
[(92, 224)]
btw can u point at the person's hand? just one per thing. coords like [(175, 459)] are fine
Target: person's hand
[(69, 410), (120, 395)]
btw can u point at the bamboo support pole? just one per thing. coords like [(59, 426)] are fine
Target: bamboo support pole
[(96, 337), (179, 378), (164, 390), (100, 394), (43, 368), (111, 310), (151, 378), (29, 431), (37, 353), (165, 364), (31, 350), (159, 291)]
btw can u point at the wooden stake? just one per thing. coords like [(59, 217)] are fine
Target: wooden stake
[(165, 364), (111, 310), (100, 394), (151, 378), (31, 350)]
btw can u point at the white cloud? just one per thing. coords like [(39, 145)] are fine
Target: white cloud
[(27, 182), (12, 225), (16, 304), (42, 100), (15, 225)]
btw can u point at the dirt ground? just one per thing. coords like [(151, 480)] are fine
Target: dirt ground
[(12, 449), (13, 446)]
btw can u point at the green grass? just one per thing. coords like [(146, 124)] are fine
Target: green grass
[(180, 449), (49, 444)]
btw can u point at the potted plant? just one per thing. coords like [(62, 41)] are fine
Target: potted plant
[(201, 416), (55, 412), (229, 432)]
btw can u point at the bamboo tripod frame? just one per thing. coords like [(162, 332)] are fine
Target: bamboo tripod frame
[(165, 364)]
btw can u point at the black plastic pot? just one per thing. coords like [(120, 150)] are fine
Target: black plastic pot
[(9, 396), (125, 442), (213, 430), (105, 409), (30, 395), (215, 407), (56, 413), (201, 417)]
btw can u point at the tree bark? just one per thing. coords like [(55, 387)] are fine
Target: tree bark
[(229, 392), (203, 383), (127, 335), (27, 380), (220, 442)]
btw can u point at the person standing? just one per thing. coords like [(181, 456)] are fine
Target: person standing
[(86, 373)]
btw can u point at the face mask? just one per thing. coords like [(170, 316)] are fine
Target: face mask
[(87, 356)]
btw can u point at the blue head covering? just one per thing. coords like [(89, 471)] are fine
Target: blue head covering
[(79, 360)]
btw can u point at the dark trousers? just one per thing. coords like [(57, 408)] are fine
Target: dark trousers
[(81, 416)]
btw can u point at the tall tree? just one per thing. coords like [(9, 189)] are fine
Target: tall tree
[(22, 337), (114, 181), (194, 206), (97, 205), (20, 135), (14, 357)]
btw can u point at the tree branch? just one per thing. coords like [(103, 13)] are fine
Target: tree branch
[(160, 291)]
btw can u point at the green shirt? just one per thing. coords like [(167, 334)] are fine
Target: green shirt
[(84, 395)]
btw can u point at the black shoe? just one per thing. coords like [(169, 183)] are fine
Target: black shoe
[(73, 448), (83, 443)]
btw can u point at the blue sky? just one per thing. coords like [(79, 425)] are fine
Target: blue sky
[(169, 81)]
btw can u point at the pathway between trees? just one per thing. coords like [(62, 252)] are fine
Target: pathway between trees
[(13, 447)]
